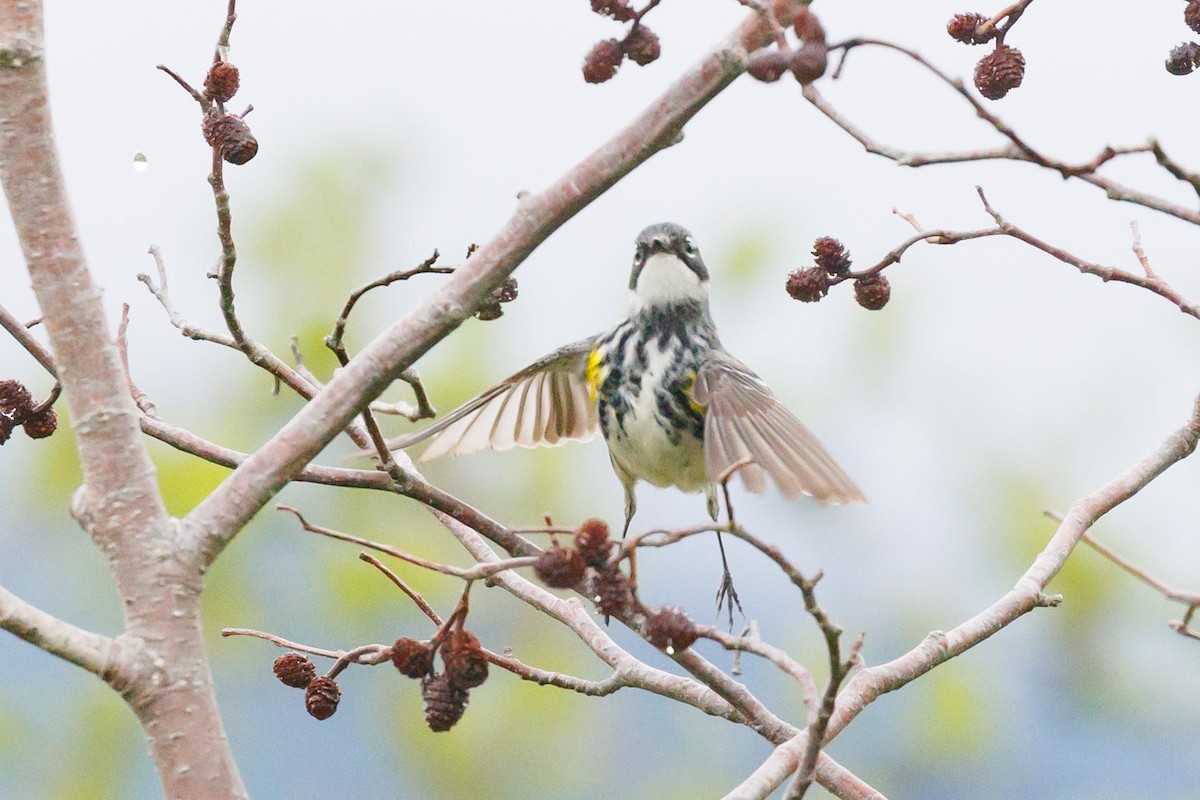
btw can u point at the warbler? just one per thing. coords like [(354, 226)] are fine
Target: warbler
[(673, 406)]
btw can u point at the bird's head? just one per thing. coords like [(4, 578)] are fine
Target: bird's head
[(667, 268)]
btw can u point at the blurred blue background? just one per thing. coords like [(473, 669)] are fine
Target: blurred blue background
[(996, 384)]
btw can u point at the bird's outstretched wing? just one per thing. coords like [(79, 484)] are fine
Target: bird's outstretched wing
[(545, 404), (744, 420)]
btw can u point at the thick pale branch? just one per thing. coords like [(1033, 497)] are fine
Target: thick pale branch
[(119, 504), (121, 494), (91, 651)]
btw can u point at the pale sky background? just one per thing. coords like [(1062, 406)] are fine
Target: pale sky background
[(997, 382)]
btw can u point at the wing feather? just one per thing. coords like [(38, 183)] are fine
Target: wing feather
[(743, 419), (545, 404)]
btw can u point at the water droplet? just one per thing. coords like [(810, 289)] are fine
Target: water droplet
[(140, 162), (670, 650)]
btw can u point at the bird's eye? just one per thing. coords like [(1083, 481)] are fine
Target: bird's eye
[(689, 247)]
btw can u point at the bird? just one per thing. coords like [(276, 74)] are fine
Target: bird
[(674, 407)]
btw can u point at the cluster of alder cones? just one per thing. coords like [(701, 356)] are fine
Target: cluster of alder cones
[(585, 566)]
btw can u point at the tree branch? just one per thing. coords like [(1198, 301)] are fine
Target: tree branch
[(91, 651), (119, 504), (1017, 148), (216, 520), (939, 647)]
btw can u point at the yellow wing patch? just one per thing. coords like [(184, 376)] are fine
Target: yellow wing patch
[(594, 377)]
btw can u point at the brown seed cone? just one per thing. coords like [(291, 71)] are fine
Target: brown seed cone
[(321, 697), (808, 285), (613, 593), (15, 399), (1183, 59), (965, 28), (221, 82), (809, 62), (40, 425), (602, 61), (784, 11), (999, 72), (808, 28), (414, 659), (464, 659), (872, 292), (768, 66), (231, 134), (294, 670), (560, 567), (617, 9), (642, 45), (831, 255), (1191, 15), (504, 293), (489, 312), (240, 146), (445, 703), (593, 543), (668, 628)]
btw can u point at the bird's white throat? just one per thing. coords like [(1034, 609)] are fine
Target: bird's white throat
[(666, 279)]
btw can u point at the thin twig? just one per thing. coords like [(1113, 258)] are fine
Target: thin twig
[(477, 572), (21, 333), (1017, 148), (187, 87), (267, 360), (143, 401), (1028, 593), (1149, 281), (412, 593)]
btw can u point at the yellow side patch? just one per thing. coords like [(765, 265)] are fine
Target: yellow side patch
[(594, 378), (691, 398)]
